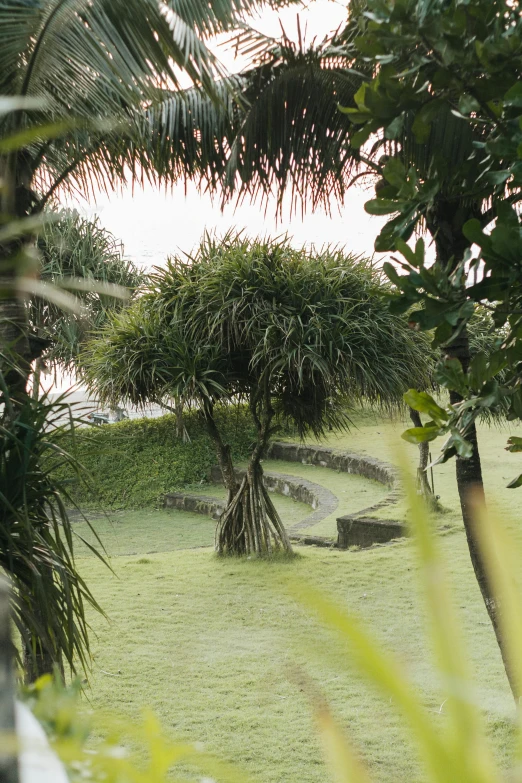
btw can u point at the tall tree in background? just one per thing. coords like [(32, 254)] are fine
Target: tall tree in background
[(453, 65), (78, 253)]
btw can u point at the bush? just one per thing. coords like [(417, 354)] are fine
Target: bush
[(133, 463)]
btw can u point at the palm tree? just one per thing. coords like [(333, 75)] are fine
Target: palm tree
[(81, 82), (297, 335), (94, 76), (76, 252)]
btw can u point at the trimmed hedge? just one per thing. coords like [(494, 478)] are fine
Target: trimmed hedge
[(133, 463)]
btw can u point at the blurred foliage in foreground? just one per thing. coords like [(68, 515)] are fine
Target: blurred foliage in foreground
[(460, 751)]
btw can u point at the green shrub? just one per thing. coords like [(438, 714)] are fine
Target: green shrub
[(133, 463)]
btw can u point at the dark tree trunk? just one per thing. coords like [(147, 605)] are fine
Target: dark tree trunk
[(15, 349), (181, 430), (223, 452), (178, 410), (445, 222), (250, 524), (471, 491)]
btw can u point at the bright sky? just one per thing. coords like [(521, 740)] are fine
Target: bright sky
[(154, 224)]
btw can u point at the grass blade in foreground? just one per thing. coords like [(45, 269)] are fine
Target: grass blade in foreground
[(462, 753)]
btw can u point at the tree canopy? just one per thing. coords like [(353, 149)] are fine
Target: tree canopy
[(299, 335), (79, 254)]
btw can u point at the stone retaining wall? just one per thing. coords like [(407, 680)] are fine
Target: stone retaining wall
[(362, 528), (358, 529), (366, 531), (322, 501), (343, 461), (199, 504)]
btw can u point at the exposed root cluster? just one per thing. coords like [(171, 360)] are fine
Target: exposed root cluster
[(250, 523)]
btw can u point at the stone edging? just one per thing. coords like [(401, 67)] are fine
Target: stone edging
[(322, 501), (361, 528), (357, 529)]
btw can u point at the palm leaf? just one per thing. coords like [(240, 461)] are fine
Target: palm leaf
[(37, 536)]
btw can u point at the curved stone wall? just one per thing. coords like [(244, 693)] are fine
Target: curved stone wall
[(359, 529)]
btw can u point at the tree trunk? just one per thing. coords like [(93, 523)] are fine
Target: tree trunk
[(37, 375), (15, 352), (250, 524), (471, 491), (445, 222), (223, 452), (423, 485), (180, 423)]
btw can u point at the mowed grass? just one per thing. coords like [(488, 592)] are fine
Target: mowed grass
[(212, 645)]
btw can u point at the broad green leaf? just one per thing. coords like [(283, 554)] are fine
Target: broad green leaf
[(513, 96), (356, 116), (410, 255), (478, 370), (467, 104), (361, 136), (423, 119), (450, 374), (360, 95), (420, 434), (498, 177), (400, 227), (395, 172), (382, 206), (395, 128), (392, 274), (517, 482), (424, 403), (463, 447), (472, 230)]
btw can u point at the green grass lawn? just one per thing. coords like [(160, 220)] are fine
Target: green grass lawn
[(210, 643)]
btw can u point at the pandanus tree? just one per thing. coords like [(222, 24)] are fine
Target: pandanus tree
[(79, 253), (295, 334)]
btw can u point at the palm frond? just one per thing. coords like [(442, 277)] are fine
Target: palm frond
[(221, 15), (75, 250), (37, 536), (292, 137)]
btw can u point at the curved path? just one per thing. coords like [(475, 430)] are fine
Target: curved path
[(361, 528)]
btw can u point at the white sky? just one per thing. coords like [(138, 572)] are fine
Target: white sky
[(153, 224)]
